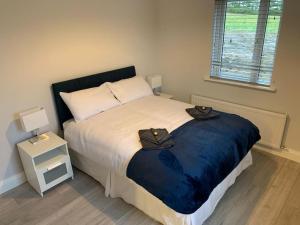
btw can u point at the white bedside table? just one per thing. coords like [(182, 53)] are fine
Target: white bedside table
[(46, 163), (164, 95)]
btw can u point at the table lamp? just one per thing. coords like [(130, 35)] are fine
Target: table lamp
[(155, 82), (32, 120)]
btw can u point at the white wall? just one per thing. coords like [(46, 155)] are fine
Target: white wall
[(42, 42), (184, 59)]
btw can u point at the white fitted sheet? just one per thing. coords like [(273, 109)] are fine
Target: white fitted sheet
[(112, 138)]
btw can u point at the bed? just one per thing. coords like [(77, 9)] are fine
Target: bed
[(103, 145)]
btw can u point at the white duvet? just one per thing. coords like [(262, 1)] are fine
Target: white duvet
[(111, 137)]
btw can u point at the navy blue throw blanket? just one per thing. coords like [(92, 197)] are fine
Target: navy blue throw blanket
[(205, 152)]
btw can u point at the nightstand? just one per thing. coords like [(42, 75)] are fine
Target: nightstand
[(164, 95), (46, 163)]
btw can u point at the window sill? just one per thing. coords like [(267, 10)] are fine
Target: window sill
[(233, 83)]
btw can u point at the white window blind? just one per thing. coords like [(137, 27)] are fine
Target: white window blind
[(245, 34)]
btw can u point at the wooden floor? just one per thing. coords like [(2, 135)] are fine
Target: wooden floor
[(266, 193)]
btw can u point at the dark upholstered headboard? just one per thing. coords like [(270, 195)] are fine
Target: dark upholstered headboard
[(95, 80)]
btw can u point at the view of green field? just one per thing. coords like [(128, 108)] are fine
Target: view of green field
[(239, 44), (247, 23)]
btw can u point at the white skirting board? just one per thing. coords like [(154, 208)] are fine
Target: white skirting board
[(290, 154), (12, 182)]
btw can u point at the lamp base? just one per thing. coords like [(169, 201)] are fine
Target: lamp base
[(38, 138)]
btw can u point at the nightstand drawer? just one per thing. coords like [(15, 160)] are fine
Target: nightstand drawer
[(55, 173)]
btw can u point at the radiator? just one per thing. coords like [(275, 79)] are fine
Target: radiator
[(270, 124)]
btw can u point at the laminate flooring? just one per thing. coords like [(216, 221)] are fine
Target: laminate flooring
[(267, 193)]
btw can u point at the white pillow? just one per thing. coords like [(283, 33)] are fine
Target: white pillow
[(130, 89), (89, 102)]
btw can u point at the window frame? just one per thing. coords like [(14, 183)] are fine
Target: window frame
[(262, 22)]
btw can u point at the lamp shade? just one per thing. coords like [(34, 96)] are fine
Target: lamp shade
[(33, 119), (154, 81)]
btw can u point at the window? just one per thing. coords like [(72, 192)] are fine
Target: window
[(245, 34)]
